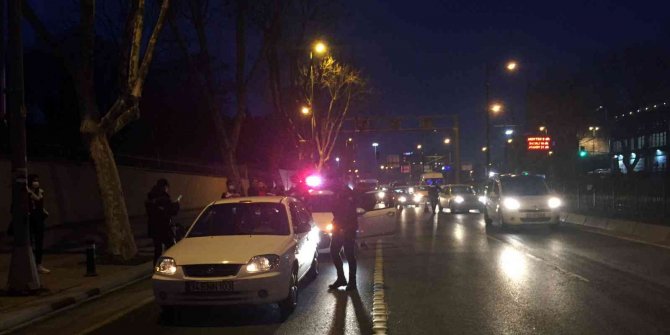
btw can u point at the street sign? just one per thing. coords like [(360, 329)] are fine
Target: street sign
[(538, 143)]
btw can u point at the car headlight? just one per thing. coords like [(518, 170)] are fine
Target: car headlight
[(554, 202), (459, 199), (417, 198), (329, 228), (511, 203), (381, 194), (482, 199), (410, 190), (402, 198), (166, 266), (262, 263)]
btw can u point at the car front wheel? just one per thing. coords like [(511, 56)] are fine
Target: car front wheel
[(288, 305)]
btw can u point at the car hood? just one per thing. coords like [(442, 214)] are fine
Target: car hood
[(227, 249), (322, 219), (533, 202)]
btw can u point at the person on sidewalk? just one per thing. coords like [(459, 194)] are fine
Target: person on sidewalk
[(37, 216), (345, 225), (231, 191), (160, 210), (253, 188)]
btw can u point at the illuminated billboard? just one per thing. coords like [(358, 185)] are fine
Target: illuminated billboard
[(538, 143)]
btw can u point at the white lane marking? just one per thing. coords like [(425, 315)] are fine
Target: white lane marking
[(520, 246), (117, 316), (379, 307)]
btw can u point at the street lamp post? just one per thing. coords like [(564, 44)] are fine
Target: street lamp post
[(375, 145), (511, 66)]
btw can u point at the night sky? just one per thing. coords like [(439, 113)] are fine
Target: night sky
[(428, 57)]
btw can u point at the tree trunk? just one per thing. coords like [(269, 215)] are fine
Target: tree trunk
[(120, 240)]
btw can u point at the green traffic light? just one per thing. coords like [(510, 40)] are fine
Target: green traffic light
[(582, 153)]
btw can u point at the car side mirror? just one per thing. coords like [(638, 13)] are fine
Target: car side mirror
[(360, 211)]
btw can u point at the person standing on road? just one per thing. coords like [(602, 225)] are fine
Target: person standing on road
[(160, 210), (345, 225), (433, 197), (37, 216)]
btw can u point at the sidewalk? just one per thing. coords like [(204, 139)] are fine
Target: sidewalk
[(66, 285)]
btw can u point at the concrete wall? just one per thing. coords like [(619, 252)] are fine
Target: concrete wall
[(72, 193)]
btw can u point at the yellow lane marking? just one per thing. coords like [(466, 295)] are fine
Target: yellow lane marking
[(379, 307)]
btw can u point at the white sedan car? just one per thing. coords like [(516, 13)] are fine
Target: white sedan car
[(240, 251), (515, 200)]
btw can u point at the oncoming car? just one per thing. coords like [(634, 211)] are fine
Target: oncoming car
[(405, 197), (240, 251), (514, 200), (459, 198)]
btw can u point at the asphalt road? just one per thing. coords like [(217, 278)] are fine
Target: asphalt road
[(444, 274)]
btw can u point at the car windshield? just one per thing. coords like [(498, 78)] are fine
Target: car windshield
[(524, 186), (242, 219), (462, 190), (434, 181), (321, 203)]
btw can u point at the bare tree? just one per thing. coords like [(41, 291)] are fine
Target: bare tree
[(336, 87), (96, 127)]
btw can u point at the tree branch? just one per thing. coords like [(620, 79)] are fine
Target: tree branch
[(149, 53)]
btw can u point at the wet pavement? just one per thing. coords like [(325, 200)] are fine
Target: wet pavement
[(445, 274)]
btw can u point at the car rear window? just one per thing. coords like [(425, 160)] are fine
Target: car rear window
[(242, 219), (524, 186)]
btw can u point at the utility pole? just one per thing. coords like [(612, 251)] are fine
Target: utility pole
[(457, 147), (487, 110), (23, 276)]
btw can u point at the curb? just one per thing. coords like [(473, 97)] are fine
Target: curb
[(631, 230), (18, 319)]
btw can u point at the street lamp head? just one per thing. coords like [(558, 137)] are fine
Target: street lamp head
[(351, 139), (320, 47), (509, 140), (496, 108), (483, 149), (305, 110), (592, 128), (337, 159), (542, 128), (509, 132), (375, 144), (447, 140), (419, 147), (511, 66), (597, 128)]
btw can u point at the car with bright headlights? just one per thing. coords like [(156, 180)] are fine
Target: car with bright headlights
[(458, 198), (240, 251), (405, 197), (515, 200)]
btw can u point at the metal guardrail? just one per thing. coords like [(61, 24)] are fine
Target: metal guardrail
[(637, 198)]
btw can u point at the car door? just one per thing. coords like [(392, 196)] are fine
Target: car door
[(374, 221), (300, 235)]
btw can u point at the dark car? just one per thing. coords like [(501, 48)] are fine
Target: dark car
[(459, 198)]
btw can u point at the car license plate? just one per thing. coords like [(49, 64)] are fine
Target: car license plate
[(209, 286), (537, 215)]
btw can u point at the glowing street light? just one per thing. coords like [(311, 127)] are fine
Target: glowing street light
[(496, 108), (509, 132), (351, 139), (337, 159), (483, 149), (419, 146), (543, 128), (509, 140), (375, 144), (447, 140), (320, 47), (511, 66), (305, 110)]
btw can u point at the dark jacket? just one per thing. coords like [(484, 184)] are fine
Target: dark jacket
[(160, 210), (344, 210), (433, 193)]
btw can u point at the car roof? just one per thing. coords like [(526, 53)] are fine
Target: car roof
[(321, 192), (273, 198), (461, 185)]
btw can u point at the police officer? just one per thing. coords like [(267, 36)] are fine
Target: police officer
[(345, 225), (433, 197), (160, 210)]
